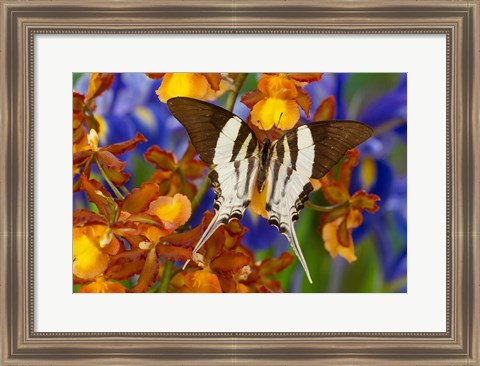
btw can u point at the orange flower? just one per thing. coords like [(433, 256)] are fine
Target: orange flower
[(202, 281), (172, 211), (175, 177), (223, 264), (105, 157), (326, 110), (141, 219), (83, 107), (102, 286), (91, 248), (99, 82), (199, 86), (276, 102), (337, 225)]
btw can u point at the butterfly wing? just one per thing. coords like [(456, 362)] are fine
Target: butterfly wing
[(309, 151), (223, 139), (218, 135)]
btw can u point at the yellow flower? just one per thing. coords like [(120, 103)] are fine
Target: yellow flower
[(193, 85), (172, 211), (276, 101), (88, 258)]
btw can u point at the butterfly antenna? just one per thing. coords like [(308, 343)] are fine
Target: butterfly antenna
[(263, 129), (279, 118)]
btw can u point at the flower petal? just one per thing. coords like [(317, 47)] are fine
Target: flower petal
[(346, 168), (155, 75), (332, 245), (326, 110), (163, 160), (86, 217), (229, 261), (173, 211), (202, 281), (140, 198), (187, 238), (278, 86), (173, 253), (88, 259), (335, 193), (213, 80), (252, 97), (121, 147), (306, 77), (304, 100), (99, 82), (354, 219), (126, 264), (113, 167), (271, 112), (102, 286), (192, 168), (182, 85), (363, 200), (80, 157), (149, 272), (99, 196), (258, 204), (272, 266)]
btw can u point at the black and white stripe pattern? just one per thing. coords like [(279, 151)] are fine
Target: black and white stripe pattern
[(287, 190), (308, 151), (224, 140), (218, 135)]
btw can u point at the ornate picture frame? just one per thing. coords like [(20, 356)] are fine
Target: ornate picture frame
[(21, 21)]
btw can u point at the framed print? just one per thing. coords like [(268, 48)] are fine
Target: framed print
[(240, 183)]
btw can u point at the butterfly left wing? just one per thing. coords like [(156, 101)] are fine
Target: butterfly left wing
[(223, 139), (308, 151)]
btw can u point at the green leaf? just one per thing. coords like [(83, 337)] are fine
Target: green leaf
[(364, 275), (362, 88), (76, 77)]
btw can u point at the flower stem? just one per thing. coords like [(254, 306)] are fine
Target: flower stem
[(107, 179), (200, 193), (325, 208), (167, 275), (232, 97), (125, 190)]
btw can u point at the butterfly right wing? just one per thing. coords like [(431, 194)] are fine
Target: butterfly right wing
[(223, 139), (308, 151)]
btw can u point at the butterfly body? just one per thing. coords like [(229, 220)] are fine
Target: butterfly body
[(265, 153), (283, 167)]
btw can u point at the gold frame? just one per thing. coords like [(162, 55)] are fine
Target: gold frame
[(20, 21)]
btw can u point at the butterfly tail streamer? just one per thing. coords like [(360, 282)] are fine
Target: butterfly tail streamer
[(292, 238), (212, 227)]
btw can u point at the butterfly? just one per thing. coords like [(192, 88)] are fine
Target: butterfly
[(241, 163)]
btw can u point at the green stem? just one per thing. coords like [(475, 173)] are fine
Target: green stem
[(167, 275), (200, 193), (325, 208), (125, 190), (232, 97), (107, 179)]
